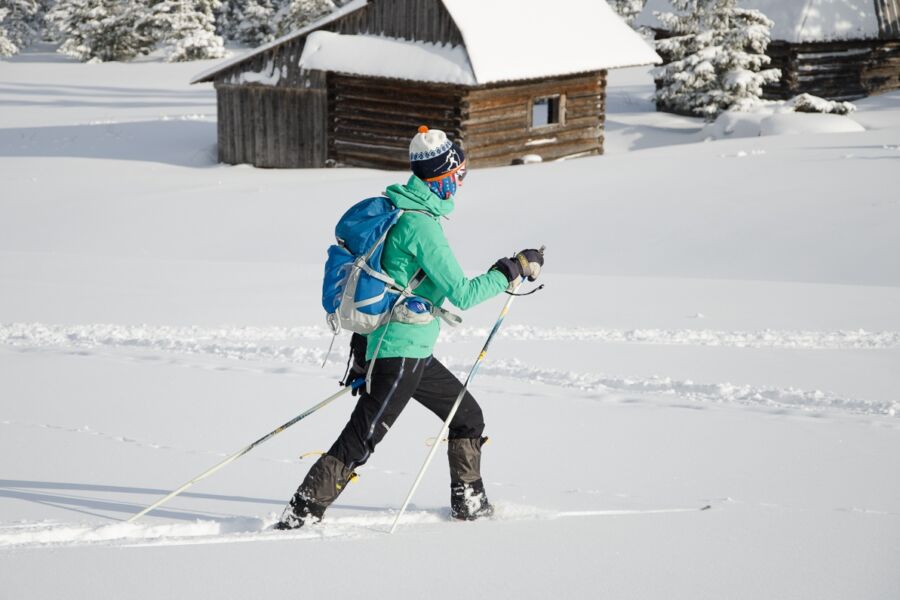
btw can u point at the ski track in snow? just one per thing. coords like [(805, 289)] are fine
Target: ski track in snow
[(767, 338), (255, 529), (718, 393), (222, 340), (280, 344)]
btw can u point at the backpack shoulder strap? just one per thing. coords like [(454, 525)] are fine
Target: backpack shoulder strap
[(416, 280)]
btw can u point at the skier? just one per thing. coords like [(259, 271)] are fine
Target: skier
[(404, 367)]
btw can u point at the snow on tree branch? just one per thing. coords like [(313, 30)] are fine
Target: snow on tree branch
[(18, 24), (628, 9), (715, 59)]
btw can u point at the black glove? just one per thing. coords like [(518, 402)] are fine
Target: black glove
[(356, 364), (531, 261), (509, 267), (526, 263)]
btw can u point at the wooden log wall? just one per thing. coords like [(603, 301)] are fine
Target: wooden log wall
[(273, 127), (372, 120), (882, 72), (836, 70), (839, 70), (496, 120)]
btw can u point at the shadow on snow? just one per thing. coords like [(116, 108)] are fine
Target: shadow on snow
[(185, 143), (59, 495)]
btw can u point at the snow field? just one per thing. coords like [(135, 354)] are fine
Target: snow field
[(719, 326), (645, 456)]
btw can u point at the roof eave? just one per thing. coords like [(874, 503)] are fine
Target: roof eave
[(350, 8)]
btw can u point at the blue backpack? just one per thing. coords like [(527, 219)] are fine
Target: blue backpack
[(357, 294)]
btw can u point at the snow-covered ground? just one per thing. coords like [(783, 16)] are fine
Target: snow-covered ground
[(720, 326)]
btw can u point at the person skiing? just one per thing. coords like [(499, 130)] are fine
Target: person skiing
[(405, 367)]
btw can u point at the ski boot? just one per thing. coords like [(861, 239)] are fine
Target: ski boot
[(468, 501), (322, 485), (299, 512)]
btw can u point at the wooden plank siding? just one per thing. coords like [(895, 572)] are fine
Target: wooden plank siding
[(410, 20), (888, 14), (272, 127), (284, 58), (223, 128)]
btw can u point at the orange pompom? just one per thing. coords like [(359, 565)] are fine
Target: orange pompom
[(423, 129)]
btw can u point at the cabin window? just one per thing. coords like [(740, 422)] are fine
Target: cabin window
[(546, 111)]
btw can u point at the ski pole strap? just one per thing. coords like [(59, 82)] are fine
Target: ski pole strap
[(537, 289), (330, 348), (448, 317)]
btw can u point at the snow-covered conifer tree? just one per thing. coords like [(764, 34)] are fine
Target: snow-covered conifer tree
[(17, 25), (221, 14), (298, 13), (40, 18), (99, 30), (715, 59), (7, 48), (252, 22), (187, 26), (628, 9)]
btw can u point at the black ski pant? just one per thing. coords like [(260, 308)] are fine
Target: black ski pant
[(394, 382)]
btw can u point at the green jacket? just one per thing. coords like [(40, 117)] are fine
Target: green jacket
[(418, 241)]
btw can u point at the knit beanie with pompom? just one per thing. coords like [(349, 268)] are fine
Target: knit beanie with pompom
[(432, 154)]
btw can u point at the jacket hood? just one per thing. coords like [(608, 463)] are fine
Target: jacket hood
[(416, 195)]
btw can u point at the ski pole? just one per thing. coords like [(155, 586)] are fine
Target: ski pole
[(446, 426), (356, 384)]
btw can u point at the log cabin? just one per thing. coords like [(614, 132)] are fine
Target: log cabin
[(510, 81)]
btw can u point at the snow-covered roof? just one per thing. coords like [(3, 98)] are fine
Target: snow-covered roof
[(386, 57), (800, 20), (503, 40), (352, 6), (511, 39)]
